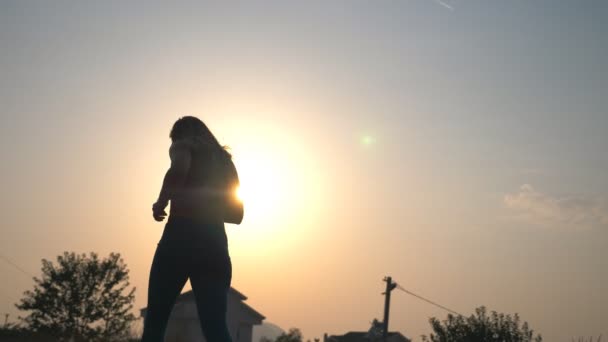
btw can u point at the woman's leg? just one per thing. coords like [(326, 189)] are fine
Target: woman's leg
[(211, 293), (167, 278)]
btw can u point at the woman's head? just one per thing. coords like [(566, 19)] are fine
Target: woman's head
[(189, 127)]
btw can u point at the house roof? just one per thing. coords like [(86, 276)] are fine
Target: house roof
[(240, 296), (254, 313), (188, 295), (360, 336)]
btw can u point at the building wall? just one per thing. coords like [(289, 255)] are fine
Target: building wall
[(244, 333), (184, 325)]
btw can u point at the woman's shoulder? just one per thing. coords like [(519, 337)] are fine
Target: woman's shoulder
[(201, 148)]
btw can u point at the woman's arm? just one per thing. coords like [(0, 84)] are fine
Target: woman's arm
[(174, 178)]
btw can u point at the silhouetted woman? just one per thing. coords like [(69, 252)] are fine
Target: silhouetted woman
[(200, 185)]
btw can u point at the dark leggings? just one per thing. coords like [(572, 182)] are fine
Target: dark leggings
[(198, 252)]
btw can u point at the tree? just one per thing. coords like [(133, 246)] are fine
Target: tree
[(481, 327), (82, 298), (376, 331), (293, 335)]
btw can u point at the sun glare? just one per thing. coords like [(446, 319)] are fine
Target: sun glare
[(262, 184), (280, 186), (276, 181), (239, 194)]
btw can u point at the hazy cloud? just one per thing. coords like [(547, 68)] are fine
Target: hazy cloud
[(570, 211), (444, 4)]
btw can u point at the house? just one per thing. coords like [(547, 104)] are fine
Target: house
[(184, 324), (364, 336)]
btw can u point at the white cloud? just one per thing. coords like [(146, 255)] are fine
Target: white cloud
[(580, 212)]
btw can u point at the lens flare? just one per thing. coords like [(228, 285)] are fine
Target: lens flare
[(367, 140), (238, 192)]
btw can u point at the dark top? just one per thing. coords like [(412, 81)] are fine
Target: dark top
[(196, 218), (202, 196)]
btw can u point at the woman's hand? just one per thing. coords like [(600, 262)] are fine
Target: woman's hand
[(158, 211)]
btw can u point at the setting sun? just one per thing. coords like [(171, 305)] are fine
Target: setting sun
[(276, 179), (262, 184)]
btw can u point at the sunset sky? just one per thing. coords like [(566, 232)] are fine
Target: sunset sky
[(457, 146)]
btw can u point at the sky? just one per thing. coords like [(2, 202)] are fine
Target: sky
[(457, 146)]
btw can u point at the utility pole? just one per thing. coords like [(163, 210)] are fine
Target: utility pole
[(5, 321), (390, 286)]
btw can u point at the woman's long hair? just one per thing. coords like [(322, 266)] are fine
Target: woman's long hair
[(190, 126)]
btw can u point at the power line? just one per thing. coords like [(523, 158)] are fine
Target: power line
[(17, 267), (428, 301)]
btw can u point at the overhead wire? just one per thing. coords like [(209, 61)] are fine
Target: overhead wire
[(17, 267), (428, 300)]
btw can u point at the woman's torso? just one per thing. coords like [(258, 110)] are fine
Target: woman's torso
[(200, 198)]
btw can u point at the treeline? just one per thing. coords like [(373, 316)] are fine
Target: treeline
[(78, 298)]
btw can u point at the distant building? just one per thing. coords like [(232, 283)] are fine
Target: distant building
[(364, 336), (184, 324)]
